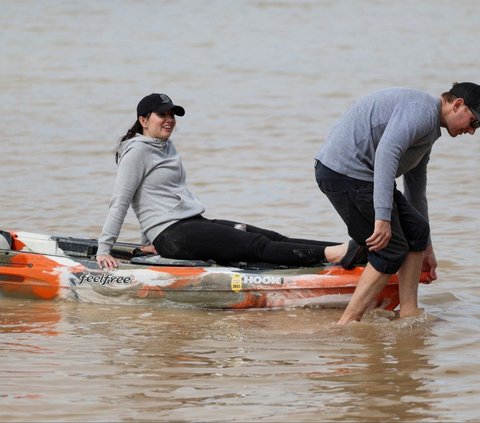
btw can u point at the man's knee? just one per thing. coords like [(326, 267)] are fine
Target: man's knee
[(390, 259)]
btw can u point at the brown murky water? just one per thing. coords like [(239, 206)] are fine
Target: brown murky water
[(262, 81)]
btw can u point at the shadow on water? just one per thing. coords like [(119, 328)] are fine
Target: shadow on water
[(380, 372), (29, 317)]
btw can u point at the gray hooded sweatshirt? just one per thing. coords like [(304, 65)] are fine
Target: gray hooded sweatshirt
[(151, 179)]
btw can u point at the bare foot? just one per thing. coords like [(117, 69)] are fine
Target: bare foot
[(336, 252)]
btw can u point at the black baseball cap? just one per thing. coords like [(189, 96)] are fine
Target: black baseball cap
[(159, 103), (470, 93)]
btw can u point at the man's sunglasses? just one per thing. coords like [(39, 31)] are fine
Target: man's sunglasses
[(475, 123)]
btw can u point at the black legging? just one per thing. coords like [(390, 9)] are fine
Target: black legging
[(198, 238)]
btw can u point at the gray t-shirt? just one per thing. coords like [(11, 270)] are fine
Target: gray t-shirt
[(384, 135), (151, 179)]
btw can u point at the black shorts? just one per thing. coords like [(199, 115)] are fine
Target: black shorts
[(353, 201)]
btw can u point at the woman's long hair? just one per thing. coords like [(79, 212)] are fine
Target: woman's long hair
[(136, 128)]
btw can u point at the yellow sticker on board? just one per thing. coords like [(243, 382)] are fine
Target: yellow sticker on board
[(236, 283)]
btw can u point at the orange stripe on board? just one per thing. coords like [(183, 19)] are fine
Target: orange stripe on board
[(33, 275)]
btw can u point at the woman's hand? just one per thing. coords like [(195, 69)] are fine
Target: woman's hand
[(107, 262), (380, 237), (148, 249)]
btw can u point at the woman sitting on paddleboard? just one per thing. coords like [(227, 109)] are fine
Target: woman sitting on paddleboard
[(151, 179)]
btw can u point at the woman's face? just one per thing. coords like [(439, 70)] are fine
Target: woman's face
[(158, 125)]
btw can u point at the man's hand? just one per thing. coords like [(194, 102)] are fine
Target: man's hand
[(430, 263), (380, 237)]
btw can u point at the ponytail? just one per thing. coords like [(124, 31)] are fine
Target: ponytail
[(136, 128)]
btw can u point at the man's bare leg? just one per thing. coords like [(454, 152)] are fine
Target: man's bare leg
[(369, 286), (409, 276)]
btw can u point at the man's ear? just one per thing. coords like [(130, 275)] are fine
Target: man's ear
[(457, 104)]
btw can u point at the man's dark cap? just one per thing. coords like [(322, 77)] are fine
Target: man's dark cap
[(470, 93)]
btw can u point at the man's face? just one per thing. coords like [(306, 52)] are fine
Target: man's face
[(461, 120)]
